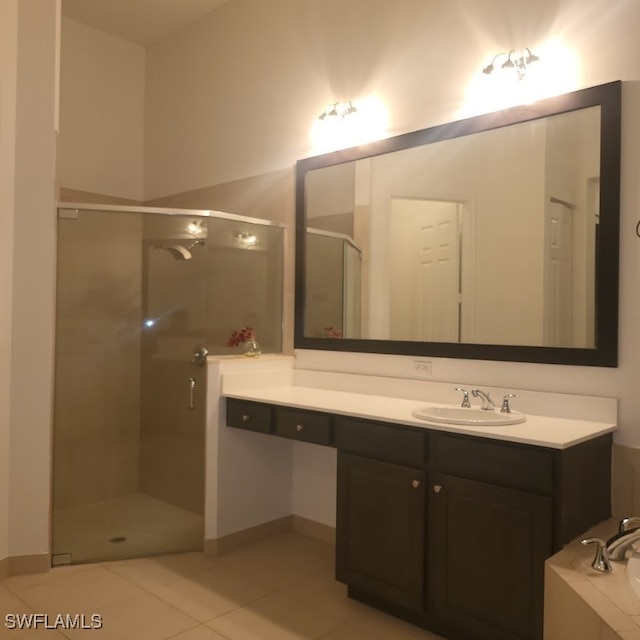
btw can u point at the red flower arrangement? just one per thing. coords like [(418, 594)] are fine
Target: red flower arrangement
[(332, 332), (240, 337)]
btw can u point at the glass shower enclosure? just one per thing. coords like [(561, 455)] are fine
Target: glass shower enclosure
[(143, 294)]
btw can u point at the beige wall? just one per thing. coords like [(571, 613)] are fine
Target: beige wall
[(227, 80), (101, 112), (247, 82), (32, 305), (8, 71)]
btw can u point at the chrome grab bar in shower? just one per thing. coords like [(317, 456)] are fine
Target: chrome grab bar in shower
[(192, 391)]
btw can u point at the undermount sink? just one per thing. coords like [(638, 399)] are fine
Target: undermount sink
[(467, 416)]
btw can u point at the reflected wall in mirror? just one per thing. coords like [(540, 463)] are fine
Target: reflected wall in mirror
[(494, 237)]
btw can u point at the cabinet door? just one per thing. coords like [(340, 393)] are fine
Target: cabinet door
[(380, 529), (487, 549)]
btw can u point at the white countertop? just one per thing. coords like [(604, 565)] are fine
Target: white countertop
[(544, 431)]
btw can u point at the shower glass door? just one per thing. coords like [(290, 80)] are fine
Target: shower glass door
[(129, 402)]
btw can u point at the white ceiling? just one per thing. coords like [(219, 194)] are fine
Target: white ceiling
[(141, 21)]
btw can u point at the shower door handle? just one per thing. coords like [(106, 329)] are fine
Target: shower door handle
[(192, 392)]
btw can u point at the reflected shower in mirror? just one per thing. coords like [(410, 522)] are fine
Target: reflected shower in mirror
[(487, 238), (334, 284)]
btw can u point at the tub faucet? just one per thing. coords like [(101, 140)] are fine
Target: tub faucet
[(601, 559), (487, 402), (618, 545)]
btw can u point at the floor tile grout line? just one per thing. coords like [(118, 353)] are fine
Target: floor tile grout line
[(200, 624), (6, 581), (161, 584), (319, 569), (320, 610), (195, 621), (340, 626), (107, 604)]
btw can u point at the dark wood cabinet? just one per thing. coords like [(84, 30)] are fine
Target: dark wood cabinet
[(491, 507), (487, 547), (297, 424), (305, 426), (449, 531), (380, 529), (253, 416)]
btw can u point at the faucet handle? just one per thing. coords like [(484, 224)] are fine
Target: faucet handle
[(465, 397), (601, 559), (625, 523), (506, 408)]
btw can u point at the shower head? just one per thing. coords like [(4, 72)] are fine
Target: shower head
[(176, 250), (180, 252)]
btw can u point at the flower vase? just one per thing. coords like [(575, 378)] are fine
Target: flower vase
[(251, 349)]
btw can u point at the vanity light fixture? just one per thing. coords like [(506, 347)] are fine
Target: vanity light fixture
[(517, 61), (347, 124), (338, 110)]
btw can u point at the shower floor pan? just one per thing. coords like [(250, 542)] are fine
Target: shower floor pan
[(135, 525)]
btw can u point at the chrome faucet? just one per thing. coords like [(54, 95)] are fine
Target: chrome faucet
[(601, 559), (618, 545), (506, 407), (487, 402), (465, 397)]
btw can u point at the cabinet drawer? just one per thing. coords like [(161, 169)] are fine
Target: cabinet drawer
[(521, 467), (379, 440), (249, 415), (306, 426)]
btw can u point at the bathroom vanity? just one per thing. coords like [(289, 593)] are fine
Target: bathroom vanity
[(445, 526)]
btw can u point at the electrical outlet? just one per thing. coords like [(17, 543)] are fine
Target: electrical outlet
[(422, 368)]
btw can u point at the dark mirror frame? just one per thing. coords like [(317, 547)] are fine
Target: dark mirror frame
[(605, 354)]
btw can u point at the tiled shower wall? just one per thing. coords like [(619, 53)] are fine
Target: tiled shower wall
[(97, 394)]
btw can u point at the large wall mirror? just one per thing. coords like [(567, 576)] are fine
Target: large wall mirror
[(495, 237)]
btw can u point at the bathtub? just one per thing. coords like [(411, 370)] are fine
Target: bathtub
[(632, 574)]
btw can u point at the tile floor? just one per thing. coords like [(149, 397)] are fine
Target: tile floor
[(281, 588)]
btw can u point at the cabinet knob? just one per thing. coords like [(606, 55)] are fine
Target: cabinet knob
[(299, 427), (246, 417), (416, 484), (437, 488)]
